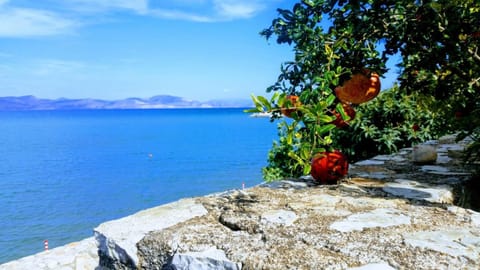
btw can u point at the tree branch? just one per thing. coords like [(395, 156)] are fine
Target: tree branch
[(474, 53)]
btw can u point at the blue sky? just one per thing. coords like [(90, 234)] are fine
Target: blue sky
[(113, 49)]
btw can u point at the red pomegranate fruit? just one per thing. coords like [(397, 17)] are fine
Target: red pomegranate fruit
[(290, 105), (329, 167)]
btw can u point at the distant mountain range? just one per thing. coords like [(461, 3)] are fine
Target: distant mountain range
[(156, 102)]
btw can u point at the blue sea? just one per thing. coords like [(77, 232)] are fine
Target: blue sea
[(62, 173)]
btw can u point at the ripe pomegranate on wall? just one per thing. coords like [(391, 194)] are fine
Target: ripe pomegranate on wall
[(329, 167)]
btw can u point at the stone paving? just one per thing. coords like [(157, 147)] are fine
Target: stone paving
[(438, 181)]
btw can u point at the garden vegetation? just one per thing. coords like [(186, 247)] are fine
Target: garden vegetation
[(325, 99)]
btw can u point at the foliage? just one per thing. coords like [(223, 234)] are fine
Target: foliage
[(473, 150), (392, 121), (280, 164), (438, 43)]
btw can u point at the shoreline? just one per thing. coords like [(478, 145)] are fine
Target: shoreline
[(432, 185)]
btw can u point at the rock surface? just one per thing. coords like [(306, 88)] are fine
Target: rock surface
[(117, 239), (80, 255), (424, 154), (357, 230)]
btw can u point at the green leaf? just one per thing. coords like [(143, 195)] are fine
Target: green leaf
[(308, 117), (265, 103), (307, 168), (339, 109), (254, 99), (324, 129), (330, 99), (305, 153), (290, 139), (319, 150), (309, 3), (296, 157), (325, 118), (274, 97), (259, 107), (252, 110)]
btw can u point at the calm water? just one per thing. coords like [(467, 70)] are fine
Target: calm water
[(62, 173)]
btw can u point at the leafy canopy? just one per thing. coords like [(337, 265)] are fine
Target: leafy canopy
[(437, 42)]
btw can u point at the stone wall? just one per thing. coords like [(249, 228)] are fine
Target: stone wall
[(80, 255)]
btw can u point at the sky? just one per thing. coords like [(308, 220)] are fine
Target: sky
[(115, 49)]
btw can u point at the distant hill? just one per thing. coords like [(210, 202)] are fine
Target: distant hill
[(156, 102)]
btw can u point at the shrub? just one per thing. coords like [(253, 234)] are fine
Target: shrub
[(438, 43), (392, 121)]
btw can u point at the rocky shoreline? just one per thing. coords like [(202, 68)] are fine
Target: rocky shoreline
[(389, 213)]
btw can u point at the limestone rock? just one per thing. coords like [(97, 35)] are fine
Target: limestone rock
[(417, 191), (424, 154), (80, 255), (457, 242), (116, 240), (370, 162), (210, 259), (371, 231), (373, 266), (377, 218), (448, 139), (279, 217)]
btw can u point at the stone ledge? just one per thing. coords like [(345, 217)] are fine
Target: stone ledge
[(117, 239), (332, 229), (80, 255)]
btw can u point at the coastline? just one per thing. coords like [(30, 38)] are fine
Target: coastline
[(411, 208), (28, 103), (120, 162)]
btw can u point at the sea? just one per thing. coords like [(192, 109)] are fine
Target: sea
[(62, 173)]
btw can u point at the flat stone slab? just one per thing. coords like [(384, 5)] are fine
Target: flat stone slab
[(395, 158), (440, 170), (279, 217), (370, 162), (210, 259), (377, 218), (117, 239), (370, 171), (417, 191), (457, 242), (373, 266)]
